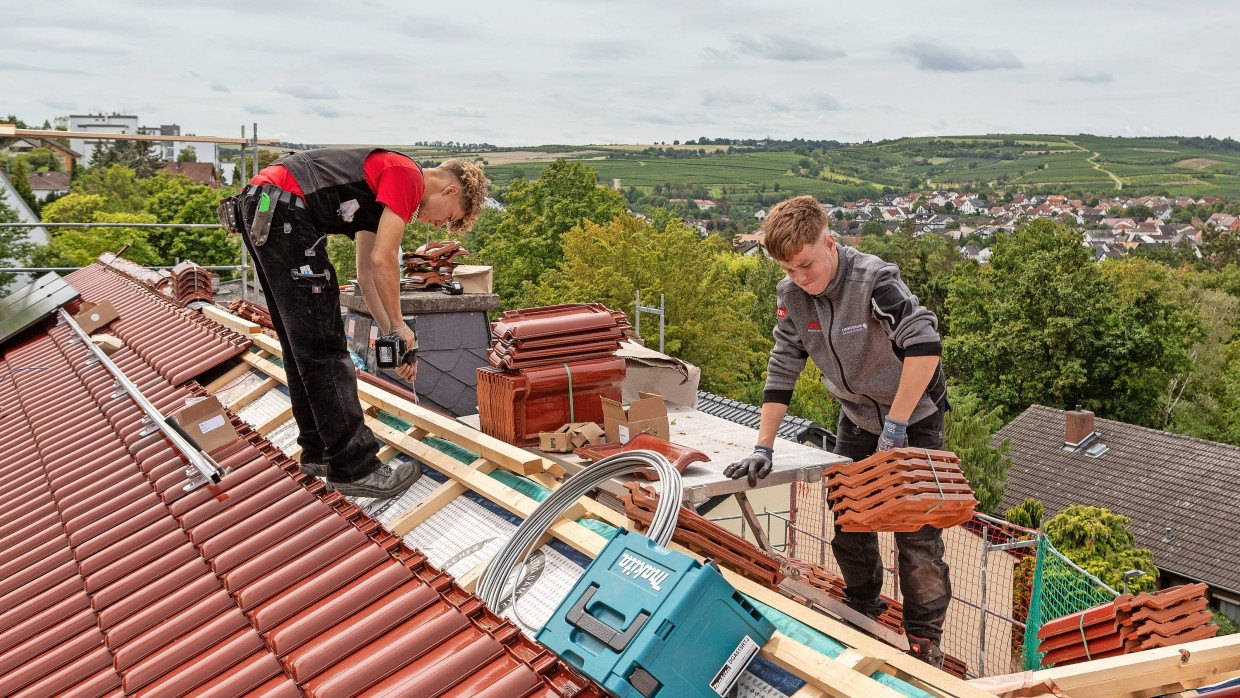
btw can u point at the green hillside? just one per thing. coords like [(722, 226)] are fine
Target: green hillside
[(1082, 164)]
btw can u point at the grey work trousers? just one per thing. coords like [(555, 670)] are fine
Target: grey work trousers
[(924, 580)]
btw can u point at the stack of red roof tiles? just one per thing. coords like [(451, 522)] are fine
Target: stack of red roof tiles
[(901, 489), (1128, 624), (191, 283), (431, 265), (253, 312), (114, 578), (551, 366)]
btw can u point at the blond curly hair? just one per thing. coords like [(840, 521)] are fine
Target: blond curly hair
[(474, 186)]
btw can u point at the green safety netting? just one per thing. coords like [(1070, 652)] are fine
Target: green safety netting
[(1058, 588)]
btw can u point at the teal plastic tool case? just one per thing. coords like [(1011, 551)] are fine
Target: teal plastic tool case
[(648, 622)]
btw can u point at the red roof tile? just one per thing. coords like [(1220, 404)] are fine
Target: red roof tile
[(114, 578)]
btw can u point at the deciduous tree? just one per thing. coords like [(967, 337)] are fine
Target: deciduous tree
[(707, 318), (528, 240)]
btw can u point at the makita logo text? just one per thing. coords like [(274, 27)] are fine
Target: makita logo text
[(639, 569), (854, 329), (814, 326)]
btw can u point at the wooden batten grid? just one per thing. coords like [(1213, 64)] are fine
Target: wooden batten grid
[(846, 676)]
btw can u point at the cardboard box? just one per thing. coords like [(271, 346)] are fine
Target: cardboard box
[(648, 371), (569, 437), (204, 420), (474, 278), (645, 415), (94, 317)]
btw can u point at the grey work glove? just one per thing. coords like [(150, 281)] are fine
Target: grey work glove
[(755, 467), (893, 436)]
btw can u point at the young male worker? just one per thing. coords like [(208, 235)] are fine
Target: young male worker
[(286, 214), (879, 351)]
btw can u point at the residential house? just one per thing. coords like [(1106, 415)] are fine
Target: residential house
[(760, 214), (199, 172), (1179, 492), (48, 184), (67, 156), (1120, 223), (704, 204), (99, 123)]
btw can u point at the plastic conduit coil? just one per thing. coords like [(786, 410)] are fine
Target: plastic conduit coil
[(662, 526)]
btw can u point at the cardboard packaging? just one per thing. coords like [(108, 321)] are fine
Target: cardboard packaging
[(109, 344), (645, 415), (94, 317), (648, 371), (204, 420), (474, 278), (569, 437)]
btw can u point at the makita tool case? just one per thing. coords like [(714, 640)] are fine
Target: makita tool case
[(648, 622)]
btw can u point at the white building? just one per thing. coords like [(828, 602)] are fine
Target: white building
[(127, 123), (98, 123)]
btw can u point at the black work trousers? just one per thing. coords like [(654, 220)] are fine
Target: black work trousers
[(303, 297), (924, 580)]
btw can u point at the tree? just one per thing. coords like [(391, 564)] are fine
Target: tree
[(1042, 324), (873, 227), (1149, 328), (1027, 514), (13, 245), (528, 239), (41, 160), (707, 318), (79, 247), (1100, 542), (926, 263), (139, 156), (968, 430), (21, 184), (187, 154), (117, 184), (811, 399)]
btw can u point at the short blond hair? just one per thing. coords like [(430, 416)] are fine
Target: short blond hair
[(474, 186), (793, 224)]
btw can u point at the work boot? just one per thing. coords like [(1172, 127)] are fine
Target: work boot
[(313, 469), (926, 650), (872, 608), (384, 483)]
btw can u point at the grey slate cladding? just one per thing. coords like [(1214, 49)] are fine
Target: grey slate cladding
[(451, 349), (1158, 479)]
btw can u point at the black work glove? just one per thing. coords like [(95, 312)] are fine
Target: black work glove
[(755, 467)]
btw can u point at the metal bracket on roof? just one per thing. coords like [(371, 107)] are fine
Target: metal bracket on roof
[(91, 360), (150, 427), (203, 465)]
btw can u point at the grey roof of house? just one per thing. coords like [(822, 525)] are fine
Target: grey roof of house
[(1158, 479), (745, 414)]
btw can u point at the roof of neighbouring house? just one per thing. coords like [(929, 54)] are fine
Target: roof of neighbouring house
[(1158, 479), (199, 172), (48, 181)]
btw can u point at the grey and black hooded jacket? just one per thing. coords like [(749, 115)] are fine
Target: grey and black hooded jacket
[(858, 331)]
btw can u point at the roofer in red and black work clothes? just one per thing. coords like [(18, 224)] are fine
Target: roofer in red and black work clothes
[(285, 215)]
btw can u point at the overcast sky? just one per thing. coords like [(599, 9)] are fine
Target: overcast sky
[(584, 71)]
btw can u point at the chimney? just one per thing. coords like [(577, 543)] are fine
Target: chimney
[(1079, 424)]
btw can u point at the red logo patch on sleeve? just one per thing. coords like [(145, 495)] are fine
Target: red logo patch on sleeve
[(781, 313)]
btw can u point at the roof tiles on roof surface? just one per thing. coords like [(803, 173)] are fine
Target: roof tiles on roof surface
[(1158, 479), (114, 578)]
